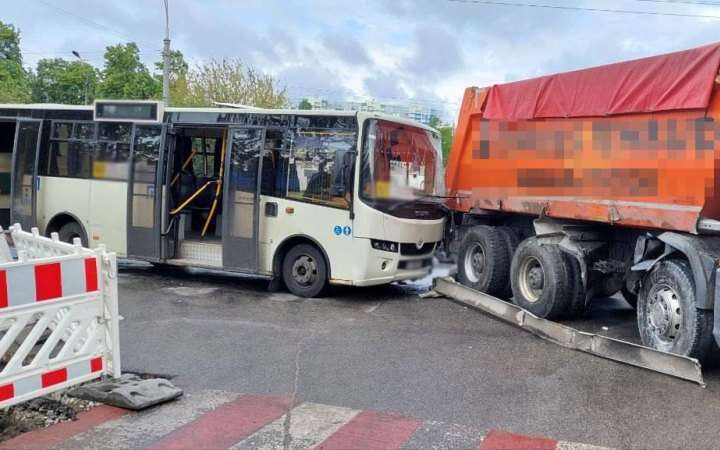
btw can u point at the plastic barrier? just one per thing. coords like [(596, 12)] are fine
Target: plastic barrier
[(58, 315)]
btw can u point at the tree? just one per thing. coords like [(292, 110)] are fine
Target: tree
[(446, 134), (230, 81), (61, 81), (178, 76), (305, 104), (435, 122), (125, 76), (14, 79)]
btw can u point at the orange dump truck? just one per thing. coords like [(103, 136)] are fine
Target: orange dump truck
[(587, 183)]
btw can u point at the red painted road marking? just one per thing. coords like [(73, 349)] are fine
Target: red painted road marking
[(226, 425), (501, 440), (50, 437), (48, 281), (372, 430)]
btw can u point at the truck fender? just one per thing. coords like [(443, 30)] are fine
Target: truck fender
[(701, 253)]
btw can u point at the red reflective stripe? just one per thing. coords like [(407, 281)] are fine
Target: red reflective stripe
[(91, 275), (7, 392), (54, 377), (48, 284), (501, 440), (96, 364), (3, 289), (372, 430)]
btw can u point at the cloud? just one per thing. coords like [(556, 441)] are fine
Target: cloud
[(385, 87), (347, 49), (437, 53)]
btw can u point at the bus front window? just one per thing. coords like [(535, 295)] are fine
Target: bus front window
[(401, 171)]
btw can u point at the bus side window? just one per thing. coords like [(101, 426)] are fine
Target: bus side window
[(323, 160), (111, 160), (276, 156)]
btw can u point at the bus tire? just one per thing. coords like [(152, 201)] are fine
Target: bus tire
[(304, 271), (668, 319), (71, 230), (484, 260), (542, 280)]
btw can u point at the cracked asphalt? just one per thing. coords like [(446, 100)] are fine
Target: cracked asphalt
[(386, 349)]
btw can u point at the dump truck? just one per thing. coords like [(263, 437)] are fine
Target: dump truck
[(581, 185)]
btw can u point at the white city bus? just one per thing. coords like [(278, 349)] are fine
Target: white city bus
[(306, 197)]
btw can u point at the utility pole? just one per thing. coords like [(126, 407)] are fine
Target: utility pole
[(166, 57), (87, 81)]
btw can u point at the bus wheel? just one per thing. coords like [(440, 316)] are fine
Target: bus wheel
[(484, 260), (70, 231), (541, 279), (668, 319), (304, 271)]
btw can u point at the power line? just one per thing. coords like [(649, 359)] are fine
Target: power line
[(585, 9), (91, 22)]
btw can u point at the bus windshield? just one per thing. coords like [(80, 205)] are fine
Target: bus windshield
[(400, 168)]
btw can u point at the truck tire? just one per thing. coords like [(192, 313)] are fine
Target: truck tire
[(70, 231), (304, 271), (541, 279), (668, 319), (484, 260), (577, 306), (513, 241)]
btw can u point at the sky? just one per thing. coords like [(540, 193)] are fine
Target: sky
[(417, 51)]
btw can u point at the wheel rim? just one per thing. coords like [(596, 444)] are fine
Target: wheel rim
[(532, 279), (663, 314), (475, 262), (304, 270)]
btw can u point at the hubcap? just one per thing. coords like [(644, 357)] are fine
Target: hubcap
[(532, 279), (304, 270), (475, 262), (664, 316)]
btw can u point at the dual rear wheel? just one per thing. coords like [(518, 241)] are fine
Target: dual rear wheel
[(547, 282)]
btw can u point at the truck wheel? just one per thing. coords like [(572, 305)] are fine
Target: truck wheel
[(577, 306), (70, 231), (541, 279), (667, 317), (304, 271), (513, 241), (484, 260)]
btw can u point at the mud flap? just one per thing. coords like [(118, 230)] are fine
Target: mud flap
[(625, 352)]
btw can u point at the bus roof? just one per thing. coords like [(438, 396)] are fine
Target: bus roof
[(227, 110)]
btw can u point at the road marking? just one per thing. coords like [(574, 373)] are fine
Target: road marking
[(310, 424), (226, 425), (501, 440), (372, 430), (53, 436)]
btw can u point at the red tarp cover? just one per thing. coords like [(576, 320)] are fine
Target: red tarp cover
[(681, 80)]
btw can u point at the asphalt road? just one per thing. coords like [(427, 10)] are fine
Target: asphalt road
[(388, 350)]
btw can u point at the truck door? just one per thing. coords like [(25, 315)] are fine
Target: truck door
[(144, 192), (241, 198), (23, 189)]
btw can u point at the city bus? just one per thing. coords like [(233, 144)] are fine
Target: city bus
[(306, 198)]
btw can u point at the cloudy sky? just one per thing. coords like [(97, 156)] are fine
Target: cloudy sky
[(426, 51)]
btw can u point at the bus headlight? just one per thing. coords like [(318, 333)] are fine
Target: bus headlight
[(385, 246)]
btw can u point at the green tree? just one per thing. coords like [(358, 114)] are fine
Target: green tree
[(435, 122), (446, 135), (305, 104), (125, 76), (14, 79), (61, 81), (178, 76), (230, 81)]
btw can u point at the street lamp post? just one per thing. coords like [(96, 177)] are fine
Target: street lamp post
[(87, 81), (166, 57)]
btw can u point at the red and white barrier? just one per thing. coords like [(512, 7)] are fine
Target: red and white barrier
[(58, 316)]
